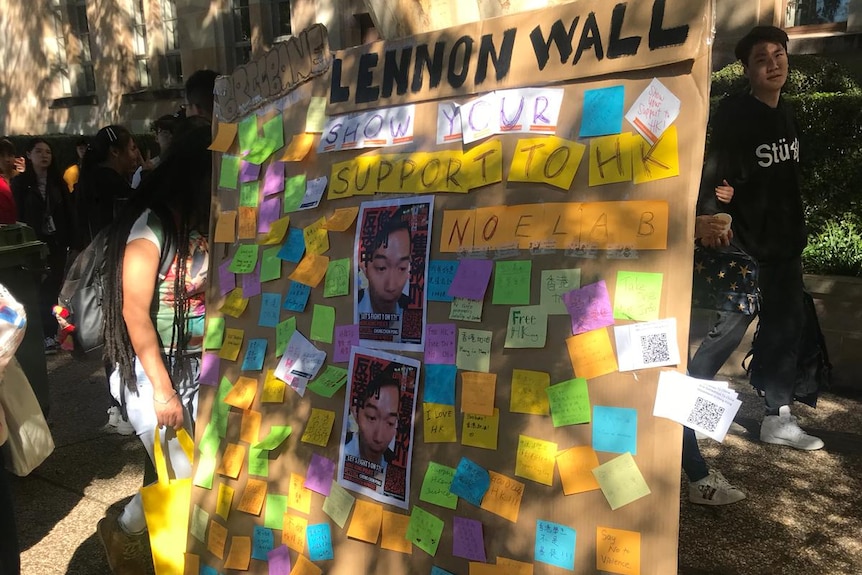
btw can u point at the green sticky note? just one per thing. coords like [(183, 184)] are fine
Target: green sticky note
[(277, 435), (337, 280), (245, 259), (338, 504), (638, 295), (247, 131), (570, 402), (435, 486), (273, 130), (214, 336), (527, 327), (283, 331), (270, 264), (210, 440), (554, 284), (424, 530), (260, 151), (322, 323), (205, 471), (273, 511), (198, 524), (473, 350), (249, 194), (258, 462), (229, 173), (220, 410), (327, 383), (294, 191), (512, 282)]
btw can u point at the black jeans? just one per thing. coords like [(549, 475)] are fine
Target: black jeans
[(10, 561)]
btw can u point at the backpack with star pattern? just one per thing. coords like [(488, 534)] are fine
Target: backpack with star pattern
[(725, 280)]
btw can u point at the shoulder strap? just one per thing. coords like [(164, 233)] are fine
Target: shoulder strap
[(166, 258)]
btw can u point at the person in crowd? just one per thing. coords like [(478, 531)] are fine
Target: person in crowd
[(73, 172), (199, 94), (154, 324), (8, 210), (44, 205), (163, 128)]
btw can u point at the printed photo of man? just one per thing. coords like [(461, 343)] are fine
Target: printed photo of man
[(376, 415)]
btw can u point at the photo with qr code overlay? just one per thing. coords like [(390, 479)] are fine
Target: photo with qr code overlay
[(647, 344)]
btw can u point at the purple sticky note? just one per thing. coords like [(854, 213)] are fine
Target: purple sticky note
[(273, 179), (318, 478), (467, 539), (346, 336), (590, 307), (440, 343), (269, 211), (226, 278), (251, 282), (209, 369), (248, 172), (279, 561), (471, 279)]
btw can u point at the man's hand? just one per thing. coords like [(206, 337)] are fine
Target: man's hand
[(710, 231), (724, 192)]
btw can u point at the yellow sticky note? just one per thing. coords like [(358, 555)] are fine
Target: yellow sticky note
[(512, 567), (239, 555), (621, 481), (394, 535), (247, 226), (315, 118), (367, 518), (276, 232), (232, 342), (225, 229), (225, 498), (480, 430), (304, 566), (192, 564), (611, 159), (618, 550), (298, 148), (477, 392), (576, 466), (243, 392), (253, 496), (591, 353), (234, 304), (342, 219), (658, 161), (293, 534), (549, 159), (483, 164), (216, 539), (310, 270), (232, 460), (528, 392), (316, 237), (299, 497), (503, 497), (439, 422), (250, 427), (476, 568), (319, 427), (224, 137), (273, 388), (535, 459)]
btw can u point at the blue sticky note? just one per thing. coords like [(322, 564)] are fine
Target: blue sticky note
[(254, 355), (471, 481), (439, 384), (297, 297), (319, 540), (438, 571), (270, 308), (440, 276), (555, 544), (207, 570), (293, 247), (262, 542), (615, 429), (602, 112)]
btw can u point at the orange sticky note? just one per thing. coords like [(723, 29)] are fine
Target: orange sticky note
[(293, 534), (222, 143), (576, 466), (247, 223), (618, 551), (216, 539), (591, 353), (225, 498), (192, 565), (276, 232), (310, 270), (512, 567), (394, 535), (304, 566), (253, 496), (535, 459), (341, 219), (480, 430), (225, 230), (503, 497), (299, 497), (273, 388), (366, 521), (477, 568), (243, 392), (298, 148), (231, 461), (477, 392), (250, 426), (239, 555)]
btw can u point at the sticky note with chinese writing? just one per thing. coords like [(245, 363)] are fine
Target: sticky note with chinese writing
[(226, 278), (229, 173), (270, 308), (249, 192), (239, 555), (318, 537), (576, 466), (512, 282), (294, 191), (329, 382), (297, 297), (504, 496), (440, 276), (316, 237), (463, 309), (471, 279), (283, 332), (570, 402), (251, 282), (293, 247), (245, 259), (319, 427), (338, 504), (225, 230), (225, 498), (268, 214), (603, 112), (258, 462), (276, 233), (618, 550), (250, 426), (615, 429), (527, 327), (591, 353), (224, 137), (232, 460), (480, 430), (439, 384), (216, 539), (255, 354), (279, 560), (310, 270), (555, 545), (214, 336), (342, 219), (439, 423), (638, 295), (468, 541), (243, 393), (610, 159), (337, 279), (298, 148), (273, 388), (470, 482), (436, 484), (528, 392), (318, 478), (440, 343), (346, 336), (234, 304), (293, 533), (274, 509), (424, 530), (322, 323), (394, 532), (535, 459), (365, 525), (589, 307), (262, 542), (621, 481), (474, 350), (277, 435), (253, 496), (478, 392), (552, 287)]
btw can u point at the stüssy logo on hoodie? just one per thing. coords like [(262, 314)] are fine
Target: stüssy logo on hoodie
[(780, 151)]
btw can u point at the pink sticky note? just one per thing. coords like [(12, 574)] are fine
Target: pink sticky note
[(346, 336), (471, 279), (248, 172), (209, 369), (440, 343), (251, 282), (589, 307), (226, 278), (467, 539), (318, 478), (269, 211), (273, 179), (279, 561)]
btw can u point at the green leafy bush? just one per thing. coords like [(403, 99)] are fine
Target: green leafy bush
[(837, 249)]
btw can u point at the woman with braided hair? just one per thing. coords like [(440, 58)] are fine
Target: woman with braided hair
[(154, 320)]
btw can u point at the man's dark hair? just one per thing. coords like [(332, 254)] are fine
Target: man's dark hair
[(390, 376), (757, 35), (7, 148), (199, 90), (164, 123), (82, 141), (397, 221)]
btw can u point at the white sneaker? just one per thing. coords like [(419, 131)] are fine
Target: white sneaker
[(116, 423), (782, 429), (714, 489), (114, 416)]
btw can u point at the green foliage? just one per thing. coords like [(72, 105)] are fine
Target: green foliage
[(808, 74), (837, 249)]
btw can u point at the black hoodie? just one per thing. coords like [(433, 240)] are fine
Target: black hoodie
[(100, 196)]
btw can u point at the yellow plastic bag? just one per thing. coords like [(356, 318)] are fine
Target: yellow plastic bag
[(166, 507)]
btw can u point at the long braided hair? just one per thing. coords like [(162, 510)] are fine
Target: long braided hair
[(178, 193)]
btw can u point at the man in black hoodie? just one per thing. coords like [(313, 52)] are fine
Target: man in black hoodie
[(752, 173)]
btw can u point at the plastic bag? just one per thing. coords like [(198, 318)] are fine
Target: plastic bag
[(29, 442)]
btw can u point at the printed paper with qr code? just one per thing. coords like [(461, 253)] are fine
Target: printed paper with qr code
[(647, 344), (705, 406)]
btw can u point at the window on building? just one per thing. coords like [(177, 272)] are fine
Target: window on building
[(173, 66), (241, 32), (280, 18), (59, 60), (79, 27), (826, 14), (139, 44)]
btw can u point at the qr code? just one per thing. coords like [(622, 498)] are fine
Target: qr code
[(654, 348), (706, 414)]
